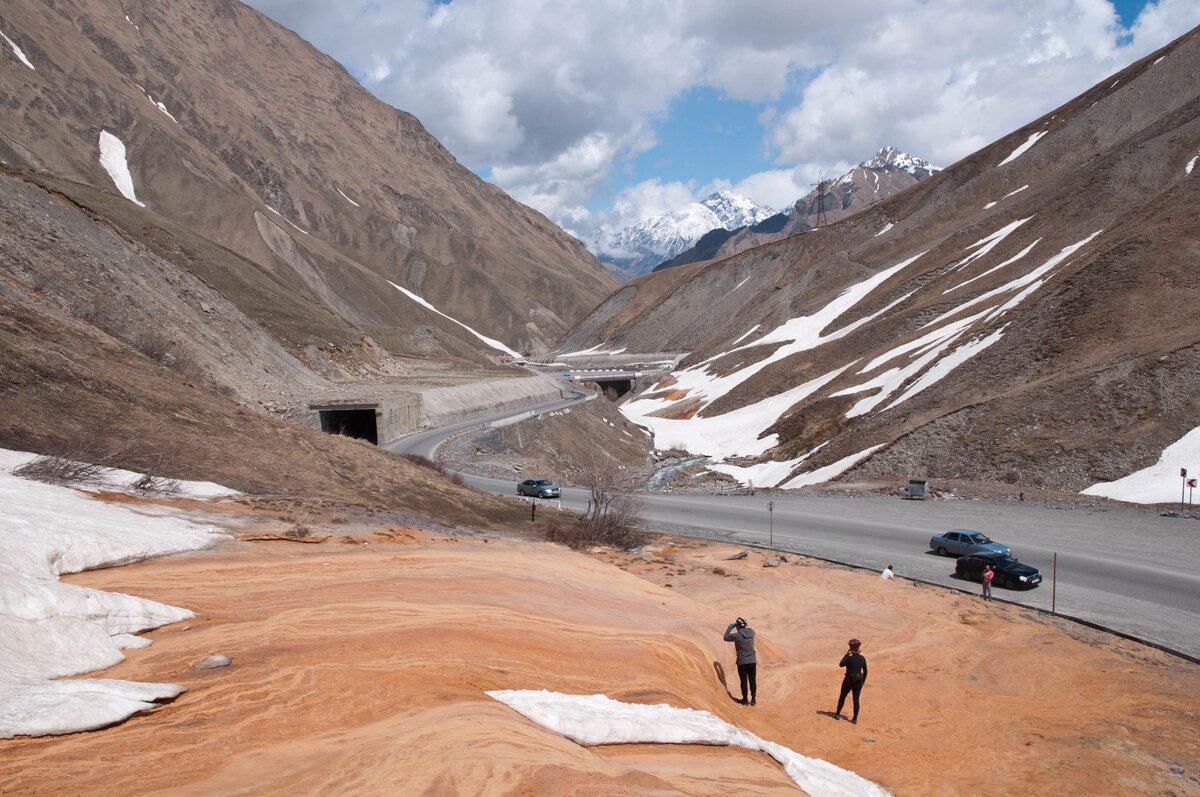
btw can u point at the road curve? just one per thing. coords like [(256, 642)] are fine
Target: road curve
[(1125, 569)]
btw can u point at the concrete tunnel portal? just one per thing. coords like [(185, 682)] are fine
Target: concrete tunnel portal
[(358, 422)]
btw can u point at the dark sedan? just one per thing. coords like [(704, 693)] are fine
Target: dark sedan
[(1009, 572)]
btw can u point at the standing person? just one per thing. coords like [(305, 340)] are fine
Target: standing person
[(988, 575), (747, 662), (888, 573), (855, 677)]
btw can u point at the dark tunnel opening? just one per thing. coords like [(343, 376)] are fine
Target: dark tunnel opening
[(357, 423)]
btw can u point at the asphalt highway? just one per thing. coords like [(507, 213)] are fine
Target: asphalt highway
[(1125, 569)]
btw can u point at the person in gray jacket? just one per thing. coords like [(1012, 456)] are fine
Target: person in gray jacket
[(742, 637)]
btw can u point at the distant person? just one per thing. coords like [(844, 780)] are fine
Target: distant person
[(1021, 497), (888, 573), (853, 680), (988, 575), (742, 637)]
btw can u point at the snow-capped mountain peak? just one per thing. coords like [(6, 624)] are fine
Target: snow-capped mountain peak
[(642, 246), (890, 157), (735, 210)]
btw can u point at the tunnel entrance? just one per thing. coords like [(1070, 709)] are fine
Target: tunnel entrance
[(615, 388), (357, 422)]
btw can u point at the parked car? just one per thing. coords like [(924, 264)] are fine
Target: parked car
[(963, 541), (538, 488), (1009, 572)]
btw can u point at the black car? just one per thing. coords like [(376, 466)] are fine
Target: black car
[(538, 488), (1009, 572)]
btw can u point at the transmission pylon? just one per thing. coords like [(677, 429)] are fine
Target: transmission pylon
[(822, 219)]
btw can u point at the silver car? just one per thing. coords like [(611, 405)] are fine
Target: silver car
[(964, 541), (538, 488)]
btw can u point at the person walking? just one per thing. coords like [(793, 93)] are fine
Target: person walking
[(742, 636), (988, 575), (853, 680)]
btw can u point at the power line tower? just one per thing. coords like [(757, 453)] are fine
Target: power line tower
[(821, 182)]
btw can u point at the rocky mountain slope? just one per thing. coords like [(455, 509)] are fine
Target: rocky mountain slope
[(638, 249), (889, 172), (1028, 315), (205, 223), (213, 118)]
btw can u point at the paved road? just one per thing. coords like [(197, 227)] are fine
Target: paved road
[(1129, 570)]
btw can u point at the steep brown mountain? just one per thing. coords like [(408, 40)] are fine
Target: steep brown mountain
[(1029, 314), (888, 173), (240, 132)]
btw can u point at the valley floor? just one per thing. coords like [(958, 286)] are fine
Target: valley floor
[(360, 665)]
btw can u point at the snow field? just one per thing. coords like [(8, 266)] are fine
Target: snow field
[(17, 51), (49, 629), (592, 720), (112, 158), (1160, 483), (952, 339), (495, 344)]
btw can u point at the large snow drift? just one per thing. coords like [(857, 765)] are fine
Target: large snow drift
[(49, 629), (1160, 483), (592, 720)]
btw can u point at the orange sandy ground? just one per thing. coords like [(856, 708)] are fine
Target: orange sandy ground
[(361, 669)]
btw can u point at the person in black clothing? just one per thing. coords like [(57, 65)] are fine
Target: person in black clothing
[(856, 676), (747, 661)]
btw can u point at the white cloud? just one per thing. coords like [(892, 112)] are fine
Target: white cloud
[(556, 96)]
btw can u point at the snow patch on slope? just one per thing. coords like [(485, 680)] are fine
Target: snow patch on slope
[(348, 199), (492, 342), (1160, 483), (886, 227), (17, 51), (1021, 150), (112, 158), (592, 720), (51, 630), (158, 105), (1191, 165)]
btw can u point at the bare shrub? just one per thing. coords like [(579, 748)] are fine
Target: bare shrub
[(59, 470), (613, 516), (299, 532), (154, 485), (153, 345), (101, 315)]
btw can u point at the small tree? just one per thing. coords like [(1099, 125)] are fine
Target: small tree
[(613, 516)]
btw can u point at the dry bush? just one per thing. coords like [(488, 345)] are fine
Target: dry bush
[(154, 485), (613, 516), (59, 470), (103, 316), (153, 345), (435, 466), (299, 531)]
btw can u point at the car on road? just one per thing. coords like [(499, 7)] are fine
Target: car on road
[(538, 488), (964, 541), (1009, 572)]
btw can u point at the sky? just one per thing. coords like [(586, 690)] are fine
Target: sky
[(602, 113)]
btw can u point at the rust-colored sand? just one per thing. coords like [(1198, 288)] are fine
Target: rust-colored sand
[(361, 669)]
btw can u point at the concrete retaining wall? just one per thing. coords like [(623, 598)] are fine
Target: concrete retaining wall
[(446, 405)]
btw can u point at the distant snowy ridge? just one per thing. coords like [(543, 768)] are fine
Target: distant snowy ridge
[(592, 720), (892, 158), (648, 243), (49, 629)]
